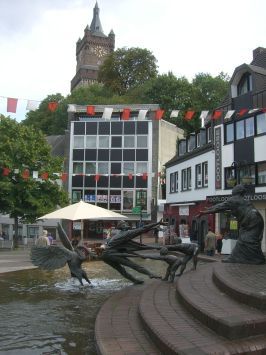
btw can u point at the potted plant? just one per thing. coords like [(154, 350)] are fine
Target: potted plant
[(247, 180), (231, 182)]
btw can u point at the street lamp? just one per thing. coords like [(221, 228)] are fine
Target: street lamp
[(142, 199)]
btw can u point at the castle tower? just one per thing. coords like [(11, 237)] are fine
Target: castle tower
[(91, 51)]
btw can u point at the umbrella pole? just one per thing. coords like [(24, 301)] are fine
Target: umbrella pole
[(82, 230)]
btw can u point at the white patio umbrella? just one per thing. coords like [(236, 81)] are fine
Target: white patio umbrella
[(83, 210)]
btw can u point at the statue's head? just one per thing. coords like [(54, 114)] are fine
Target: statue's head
[(239, 190), (122, 225)]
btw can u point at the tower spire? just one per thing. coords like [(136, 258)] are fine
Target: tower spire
[(96, 26)]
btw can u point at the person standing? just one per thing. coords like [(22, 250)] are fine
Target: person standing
[(219, 243), (43, 240), (210, 243)]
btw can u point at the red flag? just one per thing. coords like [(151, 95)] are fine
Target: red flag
[(159, 114), (242, 111), (52, 106), (64, 177), (130, 176), (144, 176), (126, 114), (6, 171), (26, 174), (91, 110), (97, 177), (44, 176), (12, 105), (189, 115), (217, 114), (263, 110)]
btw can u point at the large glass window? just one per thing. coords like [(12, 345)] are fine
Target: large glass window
[(172, 182), (128, 200), (103, 142), (261, 123), (129, 141), (240, 129), (249, 123), (198, 176), (78, 142), (77, 168), (141, 168), (128, 168), (91, 142), (229, 129), (90, 168), (205, 173), (247, 175), (103, 168), (261, 173), (142, 141), (245, 84)]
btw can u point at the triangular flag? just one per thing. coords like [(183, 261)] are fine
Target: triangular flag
[(107, 113), (125, 114), (217, 114), (97, 177), (130, 176), (6, 171), (52, 106), (32, 105), (64, 177), (229, 114), (35, 174), (144, 176), (174, 113), (142, 114), (91, 110), (189, 115), (159, 114), (12, 105), (71, 108), (45, 176), (242, 112), (25, 174)]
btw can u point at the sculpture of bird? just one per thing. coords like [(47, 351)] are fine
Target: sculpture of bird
[(54, 257)]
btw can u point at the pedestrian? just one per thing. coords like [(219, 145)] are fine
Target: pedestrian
[(219, 243), (51, 239), (210, 243), (42, 240)]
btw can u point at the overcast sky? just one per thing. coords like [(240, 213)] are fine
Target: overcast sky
[(38, 39)]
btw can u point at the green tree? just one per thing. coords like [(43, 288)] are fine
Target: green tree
[(127, 68), (23, 149)]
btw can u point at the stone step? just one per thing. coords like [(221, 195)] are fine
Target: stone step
[(217, 310), (175, 331), (118, 330), (238, 281)]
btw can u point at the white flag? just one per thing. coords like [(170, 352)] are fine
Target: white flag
[(174, 113), (107, 113), (32, 105), (142, 114), (229, 114), (71, 108)]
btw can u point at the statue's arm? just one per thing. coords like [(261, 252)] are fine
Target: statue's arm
[(226, 205)]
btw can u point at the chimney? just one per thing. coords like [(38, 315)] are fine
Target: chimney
[(257, 51)]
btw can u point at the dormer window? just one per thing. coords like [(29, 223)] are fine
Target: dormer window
[(245, 84)]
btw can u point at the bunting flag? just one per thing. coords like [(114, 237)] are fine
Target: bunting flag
[(242, 112), (64, 177), (159, 114), (91, 110), (25, 174), (229, 114), (144, 176), (6, 171), (130, 176), (174, 113), (71, 108), (45, 176), (189, 115), (107, 113), (97, 177), (12, 105), (32, 105), (35, 174), (217, 114), (142, 114), (52, 106), (125, 114)]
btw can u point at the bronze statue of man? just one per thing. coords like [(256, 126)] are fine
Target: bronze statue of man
[(251, 226)]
